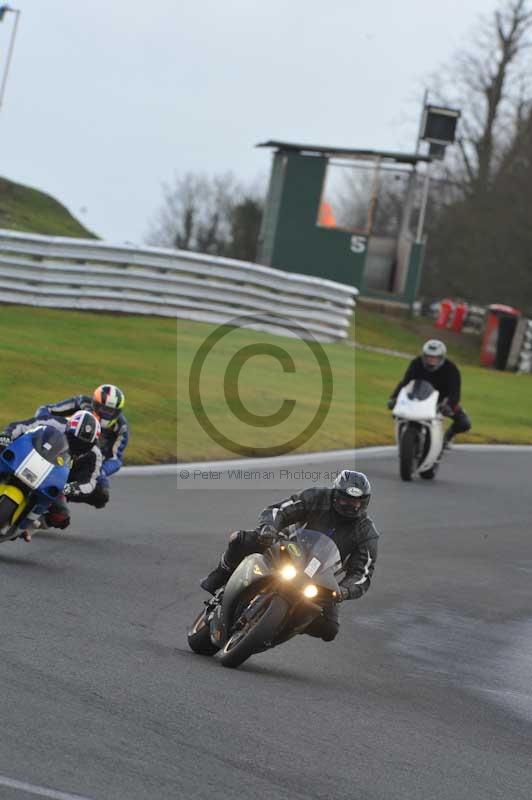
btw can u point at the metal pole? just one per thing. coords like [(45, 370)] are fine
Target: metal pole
[(9, 55), (421, 121), (423, 209), (374, 195)]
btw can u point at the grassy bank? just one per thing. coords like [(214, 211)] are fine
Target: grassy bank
[(25, 209), (48, 355)]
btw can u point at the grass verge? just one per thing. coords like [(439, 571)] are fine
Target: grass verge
[(406, 334), (48, 355), (497, 402)]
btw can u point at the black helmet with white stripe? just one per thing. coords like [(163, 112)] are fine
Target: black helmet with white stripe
[(351, 493), (83, 430)]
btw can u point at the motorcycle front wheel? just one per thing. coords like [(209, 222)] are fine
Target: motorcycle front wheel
[(7, 509), (407, 453), (254, 630)]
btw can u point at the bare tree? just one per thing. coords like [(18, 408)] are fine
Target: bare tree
[(488, 83), (215, 215), (483, 233)]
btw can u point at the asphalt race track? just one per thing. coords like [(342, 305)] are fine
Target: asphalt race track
[(425, 695)]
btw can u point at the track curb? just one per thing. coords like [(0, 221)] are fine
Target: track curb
[(305, 458)]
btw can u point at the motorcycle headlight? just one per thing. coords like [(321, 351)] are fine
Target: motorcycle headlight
[(288, 572), (310, 590)]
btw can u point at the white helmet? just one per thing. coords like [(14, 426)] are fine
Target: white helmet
[(434, 354)]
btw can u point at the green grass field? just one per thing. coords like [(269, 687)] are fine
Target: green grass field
[(25, 209), (263, 386), (406, 334), (497, 402), (48, 355)]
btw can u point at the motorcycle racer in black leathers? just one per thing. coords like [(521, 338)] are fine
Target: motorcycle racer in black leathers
[(434, 366), (82, 431), (338, 512), (107, 403)]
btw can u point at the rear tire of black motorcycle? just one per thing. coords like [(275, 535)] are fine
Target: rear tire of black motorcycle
[(199, 637), (428, 474), (259, 633), (407, 453)]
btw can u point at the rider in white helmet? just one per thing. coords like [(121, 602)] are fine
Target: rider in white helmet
[(434, 366)]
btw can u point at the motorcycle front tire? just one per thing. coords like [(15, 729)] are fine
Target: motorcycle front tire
[(257, 631), (407, 453), (7, 509)]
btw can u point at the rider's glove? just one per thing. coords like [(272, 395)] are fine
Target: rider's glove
[(267, 535), (446, 409), (341, 595), (71, 489), (5, 440), (390, 403)]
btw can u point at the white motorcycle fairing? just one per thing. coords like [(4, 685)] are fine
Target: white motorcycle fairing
[(425, 413)]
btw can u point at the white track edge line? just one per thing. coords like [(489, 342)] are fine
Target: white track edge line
[(41, 791), (305, 458)]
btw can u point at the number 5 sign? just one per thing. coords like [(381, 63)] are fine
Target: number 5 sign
[(358, 244)]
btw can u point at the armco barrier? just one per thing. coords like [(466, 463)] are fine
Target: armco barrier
[(88, 275)]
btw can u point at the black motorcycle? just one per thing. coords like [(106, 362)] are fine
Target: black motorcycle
[(269, 598)]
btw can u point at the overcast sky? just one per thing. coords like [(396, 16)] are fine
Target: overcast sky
[(106, 100)]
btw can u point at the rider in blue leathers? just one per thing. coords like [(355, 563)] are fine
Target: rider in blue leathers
[(107, 403)]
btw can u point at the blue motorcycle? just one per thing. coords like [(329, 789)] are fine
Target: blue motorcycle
[(34, 469)]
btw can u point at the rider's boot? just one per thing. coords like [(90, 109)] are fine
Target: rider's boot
[(449, 433), (217, 578)]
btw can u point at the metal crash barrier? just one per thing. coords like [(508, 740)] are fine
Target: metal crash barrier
[(81, 274)]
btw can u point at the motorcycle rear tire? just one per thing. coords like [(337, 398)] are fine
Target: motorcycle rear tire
[(199, 637), (259, 630), (407, 453), (428, 474)]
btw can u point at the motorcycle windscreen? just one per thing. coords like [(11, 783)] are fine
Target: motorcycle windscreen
[(419, 390), (52, 445), (315, 551)]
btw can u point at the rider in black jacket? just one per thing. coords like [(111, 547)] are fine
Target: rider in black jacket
[(340, 513), (434, 366)]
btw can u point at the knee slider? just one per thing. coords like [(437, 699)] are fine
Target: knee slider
[(238, 538), (464, 424)]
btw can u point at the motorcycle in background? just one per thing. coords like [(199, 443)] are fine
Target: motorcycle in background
[(418, 430)]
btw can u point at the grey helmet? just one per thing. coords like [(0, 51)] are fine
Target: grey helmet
[(351, 493), (433, 354)]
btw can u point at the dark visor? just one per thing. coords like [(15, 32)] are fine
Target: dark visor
[(104, 412), (349, 502)]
